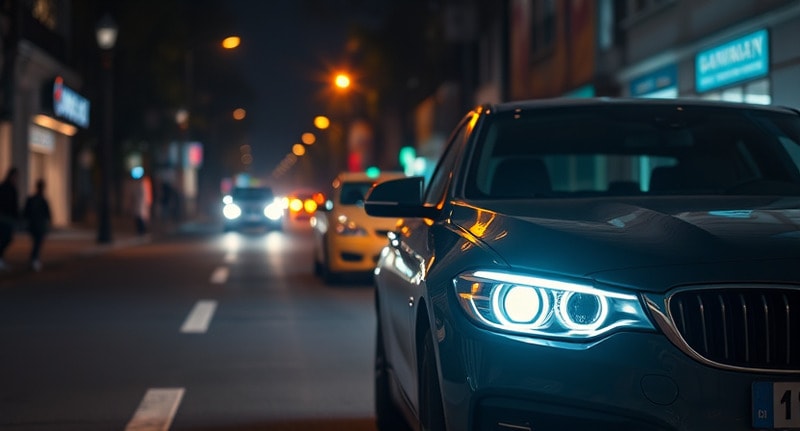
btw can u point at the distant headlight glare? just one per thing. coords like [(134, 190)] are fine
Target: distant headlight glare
[(547, 308), (273, 211), (231, 211)]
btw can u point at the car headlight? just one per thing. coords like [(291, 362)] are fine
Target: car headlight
[(273, 211), (231, 211), (544, 307)]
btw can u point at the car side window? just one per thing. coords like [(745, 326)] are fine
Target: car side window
[(444, 170)]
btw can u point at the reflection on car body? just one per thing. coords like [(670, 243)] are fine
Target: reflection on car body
[(346, 239), (599, 264)]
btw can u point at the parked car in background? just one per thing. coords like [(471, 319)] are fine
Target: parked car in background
[(251, 207), (596, 264), (346, 239)]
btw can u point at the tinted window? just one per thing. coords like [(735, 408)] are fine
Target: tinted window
[(624, 150), (353, 193), (253, 194)]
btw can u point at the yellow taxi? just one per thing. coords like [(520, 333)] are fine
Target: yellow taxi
[(346, 239)]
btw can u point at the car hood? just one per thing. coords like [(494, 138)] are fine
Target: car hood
[(657, 242)]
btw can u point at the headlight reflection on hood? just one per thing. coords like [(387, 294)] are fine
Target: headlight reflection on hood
[(544, 307)]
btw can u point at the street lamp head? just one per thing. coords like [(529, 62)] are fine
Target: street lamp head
[(106, 32), (322, 122), (231, 42), (342, 81)]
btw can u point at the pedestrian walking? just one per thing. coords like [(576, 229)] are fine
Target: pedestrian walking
[(9, 212), (142, 203), (37, 217)]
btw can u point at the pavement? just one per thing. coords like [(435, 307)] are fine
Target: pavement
[(76, 241)]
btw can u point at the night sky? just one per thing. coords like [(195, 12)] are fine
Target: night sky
[(287, 53)]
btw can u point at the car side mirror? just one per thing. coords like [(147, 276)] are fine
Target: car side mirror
[(398, 198)]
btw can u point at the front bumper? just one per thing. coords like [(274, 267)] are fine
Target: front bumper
[(354, 253), (626, 381)]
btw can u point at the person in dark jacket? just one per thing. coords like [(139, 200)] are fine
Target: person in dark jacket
[(37, 218), (9, 212)]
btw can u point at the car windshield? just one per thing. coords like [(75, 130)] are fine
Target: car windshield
[(635, 150), (353, 193), (252, 194)]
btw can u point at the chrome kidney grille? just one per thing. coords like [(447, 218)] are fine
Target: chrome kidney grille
[(743, 327)]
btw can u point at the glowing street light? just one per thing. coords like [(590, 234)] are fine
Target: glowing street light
[(342, 81), (298, 149), (239, 114), (231, 42), (321, 122), (308, 138)]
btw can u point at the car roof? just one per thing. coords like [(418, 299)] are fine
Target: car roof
[(622, 101)]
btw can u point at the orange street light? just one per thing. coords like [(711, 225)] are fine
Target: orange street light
[(342, 81), (321, 122), (231, 42), (239, 114), (308, 138), (298, 149)]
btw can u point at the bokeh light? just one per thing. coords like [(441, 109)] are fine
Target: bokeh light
[(308, 138), (231, 42), (321, 122)]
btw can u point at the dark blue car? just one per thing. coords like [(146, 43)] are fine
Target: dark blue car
[(595, 265)]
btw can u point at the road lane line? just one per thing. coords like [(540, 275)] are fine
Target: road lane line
[(198, 320), (220, 275), (157, 409)]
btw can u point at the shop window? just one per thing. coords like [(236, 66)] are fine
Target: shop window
[(755, 92)]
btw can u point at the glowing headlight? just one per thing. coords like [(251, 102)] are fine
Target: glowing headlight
[(231, 211), (273, 211), (545, 307)]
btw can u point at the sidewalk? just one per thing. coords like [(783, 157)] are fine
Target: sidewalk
[(64, 244)]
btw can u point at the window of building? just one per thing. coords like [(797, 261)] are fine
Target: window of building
[(543, 32), (756, 92), (45, 11)]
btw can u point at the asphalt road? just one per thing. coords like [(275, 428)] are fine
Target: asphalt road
[(197, 331)]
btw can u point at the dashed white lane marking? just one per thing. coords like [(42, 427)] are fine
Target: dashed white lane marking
[(220, 275), (157, 409), (198, 320)]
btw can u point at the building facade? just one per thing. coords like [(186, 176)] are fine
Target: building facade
[(741, 51), (41, 110)]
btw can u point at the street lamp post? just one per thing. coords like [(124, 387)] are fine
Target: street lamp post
[(106, 33)]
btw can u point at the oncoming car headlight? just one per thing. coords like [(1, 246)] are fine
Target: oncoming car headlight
[(231, 211), (548, 308), (273, 211)]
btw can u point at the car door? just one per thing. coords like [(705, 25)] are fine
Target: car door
[(411, 255)]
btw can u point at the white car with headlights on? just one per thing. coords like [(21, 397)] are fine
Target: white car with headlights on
[(251, 207)]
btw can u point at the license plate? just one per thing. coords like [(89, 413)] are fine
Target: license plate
[(776, 405)]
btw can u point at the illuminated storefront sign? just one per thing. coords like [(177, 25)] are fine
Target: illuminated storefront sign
[(69, 105), (738, 60), (662, 81)]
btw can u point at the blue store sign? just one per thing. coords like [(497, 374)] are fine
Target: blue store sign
[(70, 105), (661, 79), (738, 60)]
